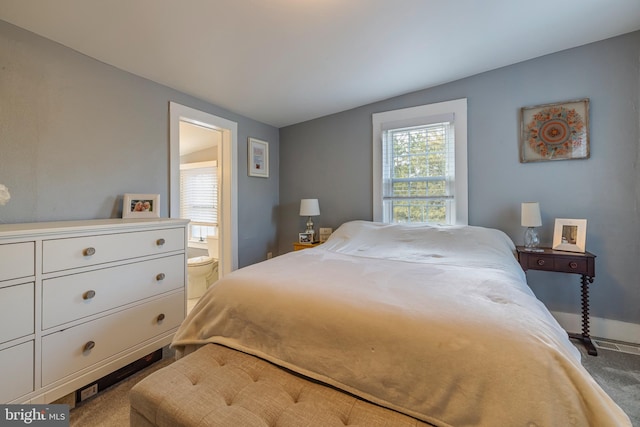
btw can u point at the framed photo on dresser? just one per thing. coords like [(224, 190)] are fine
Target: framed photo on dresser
[(141, 206)]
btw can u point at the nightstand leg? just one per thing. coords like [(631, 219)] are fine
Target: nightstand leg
[(585, 337)]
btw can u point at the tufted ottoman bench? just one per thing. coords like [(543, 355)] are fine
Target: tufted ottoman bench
[(217, 386)]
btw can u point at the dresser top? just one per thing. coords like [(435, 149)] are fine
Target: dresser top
[(61, 227)]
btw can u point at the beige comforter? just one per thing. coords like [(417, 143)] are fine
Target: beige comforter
[(435, 322)]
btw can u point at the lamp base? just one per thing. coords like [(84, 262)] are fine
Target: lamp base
[(531, 239), (309, 226)]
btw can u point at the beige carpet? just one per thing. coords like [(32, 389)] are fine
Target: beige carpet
[(617, 373), (110, 408)]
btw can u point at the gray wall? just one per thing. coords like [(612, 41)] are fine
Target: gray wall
[(331, 158), (76, 134)]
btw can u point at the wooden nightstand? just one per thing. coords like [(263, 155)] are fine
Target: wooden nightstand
[(566, 262), (300, 246)]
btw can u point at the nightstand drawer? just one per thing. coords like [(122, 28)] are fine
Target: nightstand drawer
[(540, 262), (571, 265)]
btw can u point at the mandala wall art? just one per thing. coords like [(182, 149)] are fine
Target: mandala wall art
[(555, 131)]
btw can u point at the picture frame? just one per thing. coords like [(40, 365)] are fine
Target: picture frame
[(305, 238), (570, 235), (558, 131), (258, 158), (141, 205), (324, 234)]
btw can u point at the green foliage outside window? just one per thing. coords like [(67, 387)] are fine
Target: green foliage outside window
[(418, 174)]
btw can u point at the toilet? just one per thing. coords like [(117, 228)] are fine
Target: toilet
[(202, 271)]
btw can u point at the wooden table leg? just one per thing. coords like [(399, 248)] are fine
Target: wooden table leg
[(585, 338)]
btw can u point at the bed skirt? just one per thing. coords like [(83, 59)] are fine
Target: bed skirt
[(218, 386)]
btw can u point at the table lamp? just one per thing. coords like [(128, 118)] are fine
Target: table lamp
[(309, 208), (531, 219)]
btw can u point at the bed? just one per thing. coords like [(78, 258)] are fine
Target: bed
[(432, 323)]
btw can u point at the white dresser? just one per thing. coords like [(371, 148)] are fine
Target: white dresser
[(81, 299)]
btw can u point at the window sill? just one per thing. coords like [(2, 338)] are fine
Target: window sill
[(197, 244)]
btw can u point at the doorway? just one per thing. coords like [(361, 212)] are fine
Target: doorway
[(227, 177)]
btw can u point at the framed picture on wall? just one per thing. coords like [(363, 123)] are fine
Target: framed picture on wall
[(258, 157), (555, 131), (141, 206), (570, 235)]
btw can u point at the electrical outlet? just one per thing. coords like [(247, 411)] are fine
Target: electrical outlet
[(269, 255), (92, 390)]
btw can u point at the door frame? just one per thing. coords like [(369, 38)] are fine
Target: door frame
[(228, 185)]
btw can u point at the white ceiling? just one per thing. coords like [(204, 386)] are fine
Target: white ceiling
[(286, 61), (194, 138)]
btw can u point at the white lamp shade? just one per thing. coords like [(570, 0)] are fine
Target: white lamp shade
[(309, 207), (531, 214)]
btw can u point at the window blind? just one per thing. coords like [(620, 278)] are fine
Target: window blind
[(418, 173), (199, 195)]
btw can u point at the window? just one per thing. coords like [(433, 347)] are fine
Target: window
[(199, 198), (420, 164), (417, 173)]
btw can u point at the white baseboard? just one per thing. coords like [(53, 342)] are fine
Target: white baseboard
[(602, 328)]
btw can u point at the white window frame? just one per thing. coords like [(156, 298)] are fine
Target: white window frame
[(415, 116)]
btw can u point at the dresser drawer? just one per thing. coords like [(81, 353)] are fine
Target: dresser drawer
[(71, 350), (17, 260), (73, 252), (16, 371), (75, 296), (16, 315)]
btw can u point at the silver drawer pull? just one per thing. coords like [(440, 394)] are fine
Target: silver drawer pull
[(89, 251), (160, 276), (573, 265), (89, 345), (88, 295), (160, 242), (540, 262), (160, 317)]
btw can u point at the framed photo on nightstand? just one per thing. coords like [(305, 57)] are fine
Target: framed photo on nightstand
[(305, 237), (324, 234), (570, 235)]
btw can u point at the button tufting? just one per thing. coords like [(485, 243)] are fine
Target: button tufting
[(287, 392), (295, 399), (347, 416)]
